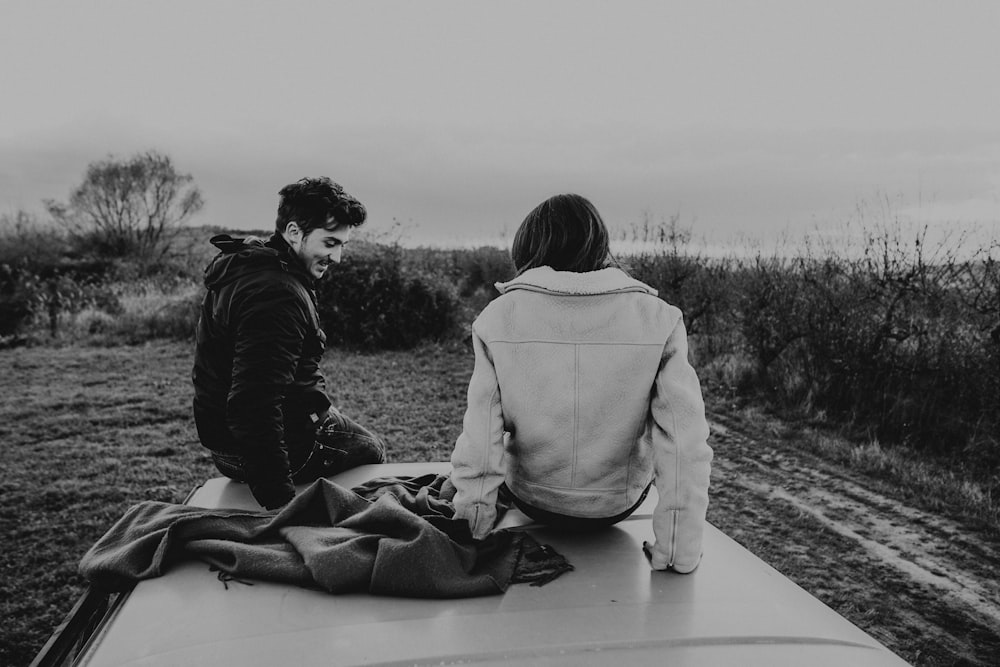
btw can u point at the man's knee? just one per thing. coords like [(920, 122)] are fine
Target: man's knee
[(230, 465)]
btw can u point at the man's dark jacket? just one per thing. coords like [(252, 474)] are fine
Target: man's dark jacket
[(256, 369)]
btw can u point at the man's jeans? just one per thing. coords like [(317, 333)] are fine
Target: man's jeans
[(338, 443)]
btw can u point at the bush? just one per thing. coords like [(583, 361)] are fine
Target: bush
[(698, 286), (147, 310), (663, 256), (17, 301), (370, 301), (888, 343), (771, 308), (25, 246), (888, 335), (477, 270), (43, 278), (473, 271)]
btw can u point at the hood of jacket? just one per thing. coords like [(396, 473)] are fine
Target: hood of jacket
[(545, 279), (241, 256)]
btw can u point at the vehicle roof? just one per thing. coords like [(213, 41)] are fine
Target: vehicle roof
[(733, 610)]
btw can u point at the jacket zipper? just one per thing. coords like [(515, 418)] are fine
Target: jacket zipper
[(673, 537)]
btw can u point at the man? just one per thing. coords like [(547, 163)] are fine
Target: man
[(260, 401)]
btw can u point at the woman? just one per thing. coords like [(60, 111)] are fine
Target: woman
[(582, 395)]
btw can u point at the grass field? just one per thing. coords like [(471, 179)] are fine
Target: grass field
[(87, 432)]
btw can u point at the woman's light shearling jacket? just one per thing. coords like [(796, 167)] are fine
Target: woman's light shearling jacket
[(581, 395)]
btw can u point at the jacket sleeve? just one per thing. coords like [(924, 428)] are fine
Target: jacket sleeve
[(268, 343), (478, 458), (682, 458)]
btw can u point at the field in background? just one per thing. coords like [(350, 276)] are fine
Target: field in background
[(891, 336), (90, 431), (882, 360)]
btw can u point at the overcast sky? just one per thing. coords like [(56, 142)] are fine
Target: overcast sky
[(456, 118)]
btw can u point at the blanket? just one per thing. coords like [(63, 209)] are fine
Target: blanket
[(391, 536)]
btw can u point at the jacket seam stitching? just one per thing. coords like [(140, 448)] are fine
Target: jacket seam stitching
[(576, 411), (486, 450)]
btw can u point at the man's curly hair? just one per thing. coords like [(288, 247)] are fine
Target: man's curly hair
[(318, 202)]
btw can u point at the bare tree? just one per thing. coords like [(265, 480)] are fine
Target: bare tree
[(130, 207)]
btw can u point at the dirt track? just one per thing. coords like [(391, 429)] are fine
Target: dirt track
[(926, 586)]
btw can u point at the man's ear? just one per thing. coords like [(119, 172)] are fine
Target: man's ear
[(293, 234)]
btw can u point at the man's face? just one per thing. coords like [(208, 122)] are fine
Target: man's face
[(320, 248)]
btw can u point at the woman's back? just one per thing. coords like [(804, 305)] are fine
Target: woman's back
[(576, 357), (582, 393)]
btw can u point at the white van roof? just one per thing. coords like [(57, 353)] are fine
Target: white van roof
[(612, 608)]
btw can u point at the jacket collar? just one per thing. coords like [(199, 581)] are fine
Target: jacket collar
[(289, 260), (603, 281), (239, 257)]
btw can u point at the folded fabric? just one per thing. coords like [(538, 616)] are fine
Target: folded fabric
[(393, 536)]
